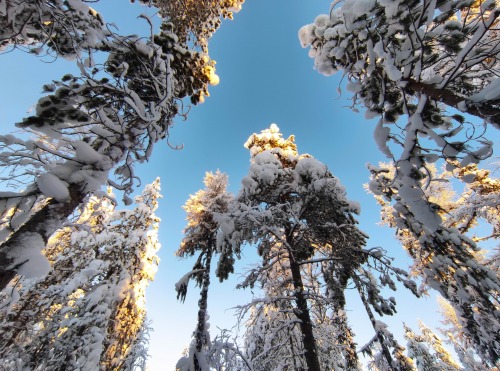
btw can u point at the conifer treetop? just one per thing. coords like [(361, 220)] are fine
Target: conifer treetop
[(271, 139)]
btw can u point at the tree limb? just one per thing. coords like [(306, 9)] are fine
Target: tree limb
[(487, 111)]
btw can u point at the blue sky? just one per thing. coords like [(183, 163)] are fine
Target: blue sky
[(266, 77)]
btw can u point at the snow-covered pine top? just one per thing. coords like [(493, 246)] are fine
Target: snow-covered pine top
[(274, 159), (202, 210), (196, 21), (280, 192), (271, 139)]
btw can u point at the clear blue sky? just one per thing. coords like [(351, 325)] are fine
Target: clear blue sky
[(266, 77)]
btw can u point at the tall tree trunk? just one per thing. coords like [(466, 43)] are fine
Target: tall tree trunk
[(302, 312), (43, 223), (201, 331)]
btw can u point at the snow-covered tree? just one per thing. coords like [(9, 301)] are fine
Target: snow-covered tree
[(288, 204), (478, 203), (456, 336), (93, 128), (427, 350), (273, 340), (196, 21), (449, 259), (297, 215), (200, 239), (89, 311), (416, 61), (62, 28)]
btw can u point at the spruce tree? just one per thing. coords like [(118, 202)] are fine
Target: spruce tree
[(89, 311), (200, 239)]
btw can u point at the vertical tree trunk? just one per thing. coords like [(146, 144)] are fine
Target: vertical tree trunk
[(201, 331), (302, 312)]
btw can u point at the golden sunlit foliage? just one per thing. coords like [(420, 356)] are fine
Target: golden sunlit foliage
[(90, 309), (195, 21)]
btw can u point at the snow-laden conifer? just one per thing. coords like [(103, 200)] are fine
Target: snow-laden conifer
[(61, 28), (92, 128), (449, 260), (413, 65), (456, 336), (200, 240), (89, 311), (295, 212)]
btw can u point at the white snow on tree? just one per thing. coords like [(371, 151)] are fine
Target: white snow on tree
[(273, 340), (295, 212), (200, 238), (61, 28), (94, 128), (449, 259), (89, 311), (412, 65), (427, 350), (456, 336)]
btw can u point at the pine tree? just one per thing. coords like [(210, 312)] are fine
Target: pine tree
[(408, 63), (201, 239), (197, 21), (273, 340), (89, 311), (295, 212), (289, 204), (93, 128)]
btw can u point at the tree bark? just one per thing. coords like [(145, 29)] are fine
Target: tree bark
[(201, 333), (44, 223), (302, 312), (486, 111)]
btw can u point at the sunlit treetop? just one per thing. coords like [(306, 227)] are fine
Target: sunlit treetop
[(271, 139), (214, 198), (195, 21)]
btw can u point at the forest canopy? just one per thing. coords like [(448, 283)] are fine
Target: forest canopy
[(425, 72)]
